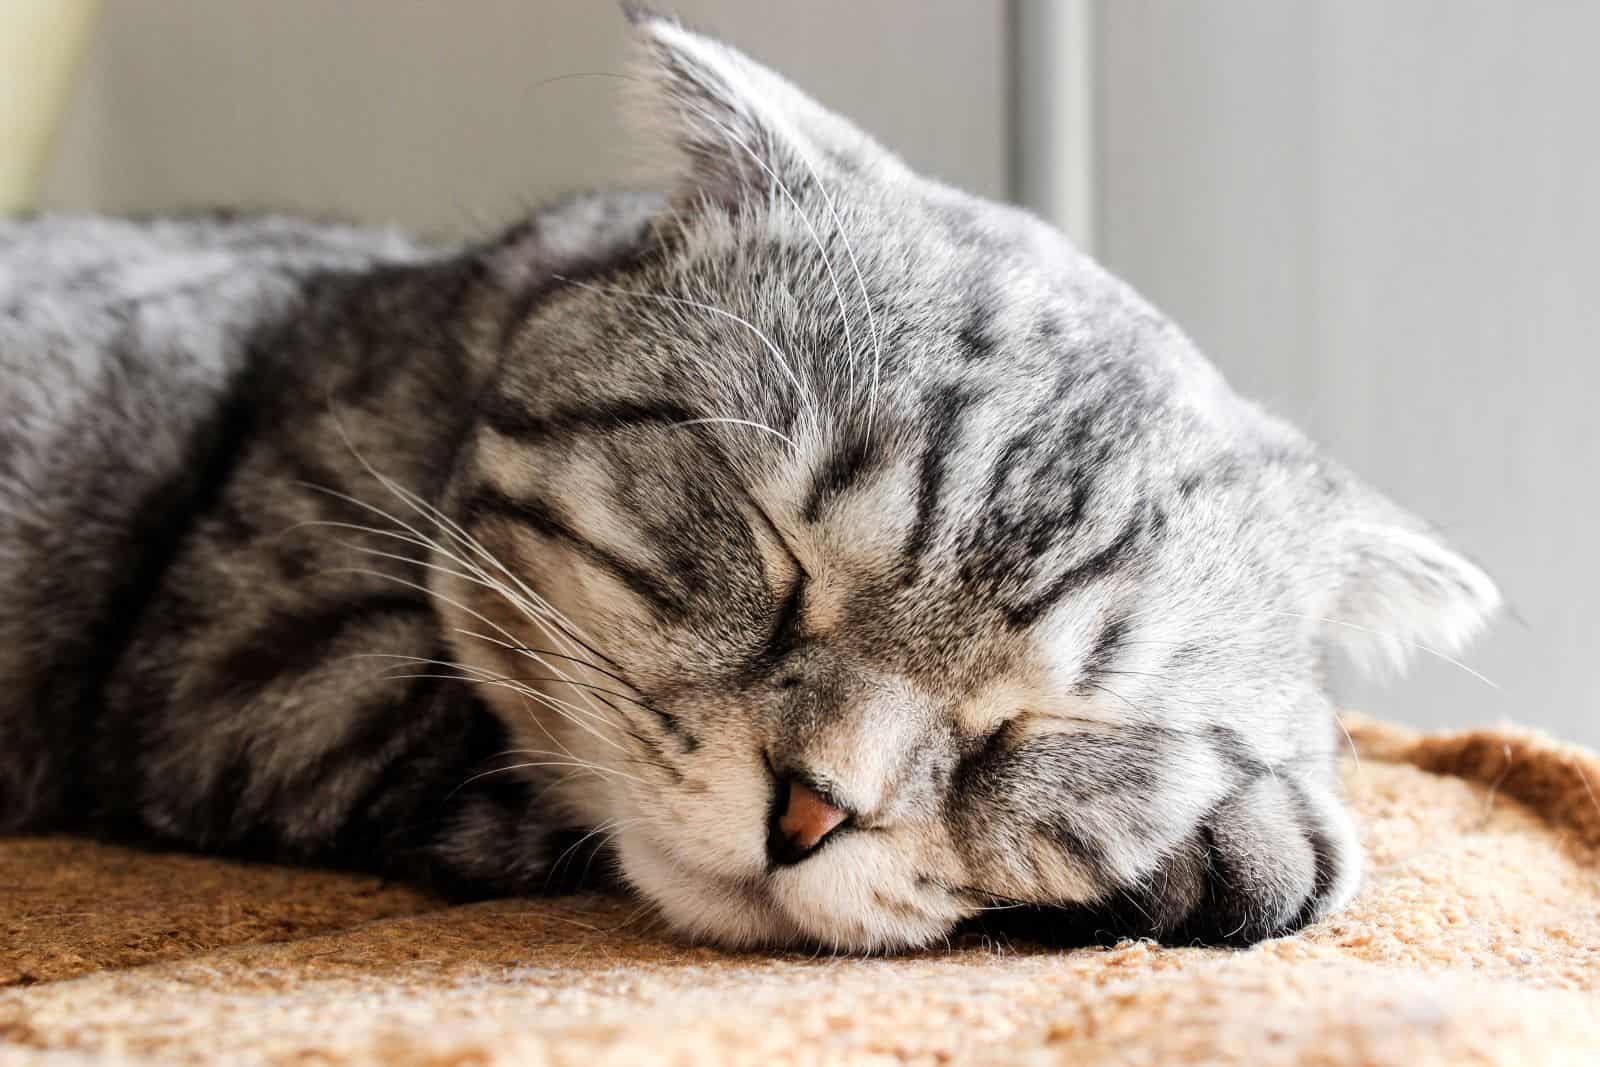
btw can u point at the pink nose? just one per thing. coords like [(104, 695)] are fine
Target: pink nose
[(808, 818)]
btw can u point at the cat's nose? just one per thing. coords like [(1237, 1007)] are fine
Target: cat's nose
[(802, 819)]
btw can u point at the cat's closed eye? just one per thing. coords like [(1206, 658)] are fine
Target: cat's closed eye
[(788, 619)]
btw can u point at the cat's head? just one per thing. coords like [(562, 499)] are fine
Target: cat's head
[(867, 557)]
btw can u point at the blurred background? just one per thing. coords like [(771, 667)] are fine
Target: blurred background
[(1378, 216)]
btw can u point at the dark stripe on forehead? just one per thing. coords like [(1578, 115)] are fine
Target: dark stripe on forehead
[(1018, 446), (1099, 565), (487, 504), (523, 244), (1107, 644), (1235, 750), (942, 414), (511, 417), (841, 470), (976, 340)]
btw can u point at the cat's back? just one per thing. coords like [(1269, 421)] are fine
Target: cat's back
[(119, 343), (79, 293), (116, 331), (117, 338)]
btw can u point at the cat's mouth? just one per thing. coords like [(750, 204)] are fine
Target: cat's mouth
[(817, 903), (706, 906)]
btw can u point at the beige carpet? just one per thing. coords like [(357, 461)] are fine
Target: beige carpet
[(1475, 941)]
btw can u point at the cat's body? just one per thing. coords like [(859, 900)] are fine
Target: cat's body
[(812, 488), (181, 396)]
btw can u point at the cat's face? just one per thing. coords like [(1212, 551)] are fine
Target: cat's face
[(904, 564)]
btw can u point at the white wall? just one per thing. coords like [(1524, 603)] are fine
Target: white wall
[(442, 116), (1384, 219)]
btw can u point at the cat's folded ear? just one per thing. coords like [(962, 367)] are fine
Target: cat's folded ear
[(1403, 589), (739, 132)]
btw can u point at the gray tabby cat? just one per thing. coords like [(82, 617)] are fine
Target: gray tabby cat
[(852, 555)]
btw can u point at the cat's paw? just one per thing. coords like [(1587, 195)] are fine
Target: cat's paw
[(1272, 857)]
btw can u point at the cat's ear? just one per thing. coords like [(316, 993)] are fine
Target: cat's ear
[(1404, 589), (741, 132)]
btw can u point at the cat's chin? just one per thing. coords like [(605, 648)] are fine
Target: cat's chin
[(790, 908)]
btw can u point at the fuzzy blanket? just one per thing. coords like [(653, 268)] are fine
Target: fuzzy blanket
[(1475, 941)]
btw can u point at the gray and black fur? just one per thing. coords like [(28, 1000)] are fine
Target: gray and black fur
[(324, 545)]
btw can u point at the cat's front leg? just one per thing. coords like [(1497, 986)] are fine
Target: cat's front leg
[(1278, 853), (409, 776)]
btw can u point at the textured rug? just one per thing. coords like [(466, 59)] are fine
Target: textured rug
[(1475, 941)]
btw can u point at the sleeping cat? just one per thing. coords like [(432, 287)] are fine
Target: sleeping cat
[(850, 555)]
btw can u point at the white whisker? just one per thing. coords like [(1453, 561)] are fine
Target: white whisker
[(861, 284), (457, 665), (1446, 657), (593, 767), (559, 706), (549, 700), (742, 422), (816, 238), (450, 527), (771, 346), (535, 608), (1355, 753)]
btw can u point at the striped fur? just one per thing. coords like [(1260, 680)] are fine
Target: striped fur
[(325, 545)]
